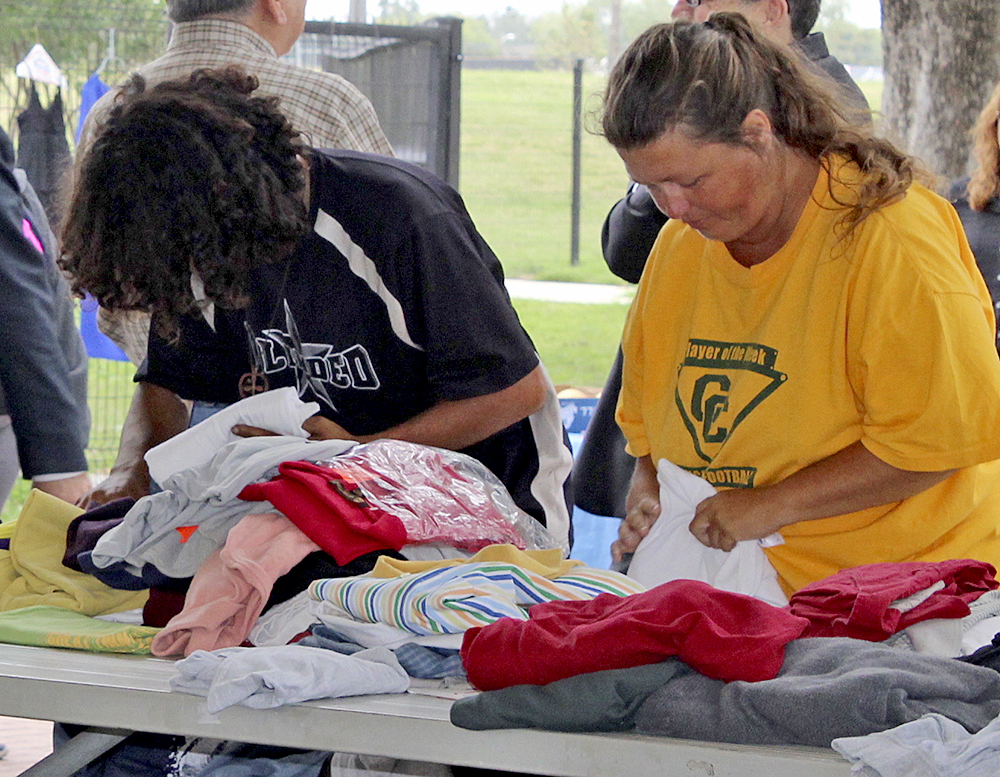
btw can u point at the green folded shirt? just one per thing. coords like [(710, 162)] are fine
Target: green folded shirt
[(48, 626)]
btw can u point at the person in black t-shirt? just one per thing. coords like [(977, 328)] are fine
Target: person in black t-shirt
[(357, 278)]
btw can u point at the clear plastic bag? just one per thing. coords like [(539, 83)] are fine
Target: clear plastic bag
[(439, 495)]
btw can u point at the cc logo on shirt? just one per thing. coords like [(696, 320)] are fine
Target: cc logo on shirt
[(718, 385)]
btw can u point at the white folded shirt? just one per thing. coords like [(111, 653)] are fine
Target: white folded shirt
[(279, 411)]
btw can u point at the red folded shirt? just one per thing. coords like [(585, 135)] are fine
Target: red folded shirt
[(310, 498), (724, 635), (855, 602)]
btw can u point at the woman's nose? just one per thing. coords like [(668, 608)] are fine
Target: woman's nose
[(670, 200)]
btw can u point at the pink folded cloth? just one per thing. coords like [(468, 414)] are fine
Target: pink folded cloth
[(232, 586)]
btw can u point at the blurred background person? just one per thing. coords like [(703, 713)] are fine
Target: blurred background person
[(977, 198), (784, 21)]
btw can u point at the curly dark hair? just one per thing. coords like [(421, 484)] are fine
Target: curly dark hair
[(189, 175), (708, 77)]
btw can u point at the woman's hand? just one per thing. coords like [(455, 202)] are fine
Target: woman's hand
[(642, 508), (850, 480), (733, 516)]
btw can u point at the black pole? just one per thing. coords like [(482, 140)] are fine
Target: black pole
[(574, 250)]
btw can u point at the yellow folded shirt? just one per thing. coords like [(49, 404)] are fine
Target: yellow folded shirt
[(547, 563), (37, 547), (48, 626)]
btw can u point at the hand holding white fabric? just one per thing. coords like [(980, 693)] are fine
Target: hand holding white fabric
[(671, 552), (280, 411)]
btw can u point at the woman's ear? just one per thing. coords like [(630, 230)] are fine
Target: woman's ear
[(757, 128)]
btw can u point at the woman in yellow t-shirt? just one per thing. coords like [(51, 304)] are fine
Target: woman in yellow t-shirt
[(811, 333)]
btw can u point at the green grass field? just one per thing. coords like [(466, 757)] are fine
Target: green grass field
[(516, 170), (576, 342), (516, 174)]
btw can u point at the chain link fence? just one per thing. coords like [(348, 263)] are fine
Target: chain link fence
[(83, 39)]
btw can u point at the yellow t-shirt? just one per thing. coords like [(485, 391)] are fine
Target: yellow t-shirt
[(746, 375)]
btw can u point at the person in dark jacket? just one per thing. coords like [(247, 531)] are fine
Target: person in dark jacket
[(602, 469), (977, 197), (44, 421)]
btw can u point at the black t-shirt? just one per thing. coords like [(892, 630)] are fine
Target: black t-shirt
[(391, 304)]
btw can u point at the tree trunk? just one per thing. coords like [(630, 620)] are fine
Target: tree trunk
[(615, 33), (357, 12), (942, 60)]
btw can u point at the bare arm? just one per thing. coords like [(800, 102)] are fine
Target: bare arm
[(68, 489), (850, 480), (453, 424), (156, 414), (642, 508)]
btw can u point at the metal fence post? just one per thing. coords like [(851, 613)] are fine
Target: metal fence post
[(574, 250), (357, 12), (451, 97)]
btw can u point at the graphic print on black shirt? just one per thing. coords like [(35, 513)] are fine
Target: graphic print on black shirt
[(316, 366)]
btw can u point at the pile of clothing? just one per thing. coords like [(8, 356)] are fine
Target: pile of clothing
[(284, 570)]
